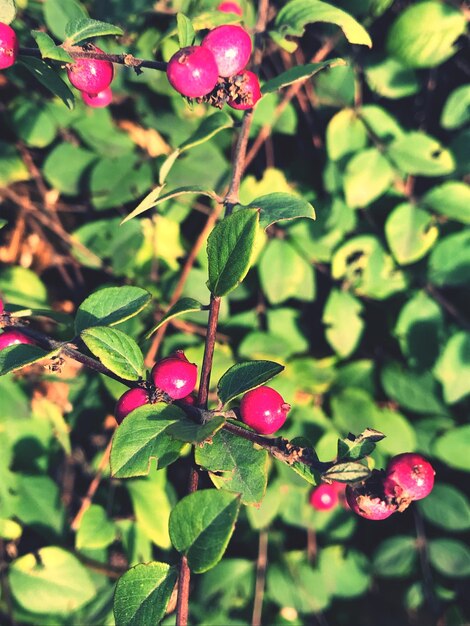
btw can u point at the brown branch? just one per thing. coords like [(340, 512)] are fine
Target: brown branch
[(261, 565)]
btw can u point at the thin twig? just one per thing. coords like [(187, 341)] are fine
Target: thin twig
[(261, 565), (422, 547)]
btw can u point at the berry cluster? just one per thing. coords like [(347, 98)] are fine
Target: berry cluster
[(408, 477), (215, 70), (92, 77)]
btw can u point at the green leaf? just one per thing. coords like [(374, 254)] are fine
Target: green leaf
[(412, 389), (410, 233), (143, 436), (50, 581), (400, 434), (447, 507), (142, 594), (343, 321), (78, 30), (452, 447), (450, 557), (235, 465), (50, 79), (58, 13), (296, 14), (421, 155), (456, 111), (190, 432), (345, 134), (346, 571), (10, 530), (186, 34), (38, 504), (19, 355), (242, 377), (49, 49), (7, 11), (34, 124), (453, 368), (154, 198), (182, 307), (230, 248), (390, 79), (276, 207), (299, 72), (116, 350), (395, 557), (423, 34), (368, 175), (110, 306), (201, 525), (148, 495), (96, 530), (347, 472), (60, 175), (449, 262), (355, 448), (451, 199)]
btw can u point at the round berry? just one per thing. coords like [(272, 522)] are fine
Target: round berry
[(409, 476), (175, 375), (264, 410), (249, 92), (130, 400), (231, 47), (192, 71), (8, 46), (91, 75), (230, 7), (13, 337), (369, 500), (2, 307), (100, 100), (324, 497)]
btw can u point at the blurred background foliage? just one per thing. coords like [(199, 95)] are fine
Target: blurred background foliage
[(368, 308)]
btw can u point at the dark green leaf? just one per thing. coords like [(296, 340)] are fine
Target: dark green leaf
[(242, 377), (449, 262), (451, 199), (19, 355), (456, 110), (78, 30), (186, 32), (49, 49), (58, 13), (355, 448), (412, 390), (447, 507), (452, 447), (201, 525), (395, 557), (110, 306), (299, 72), (450, 557), (276, 207), (347, 472), (190, 432), (142, 437), (183, 306), (50, 79), (230, 250), (116, 350), (142, 594)]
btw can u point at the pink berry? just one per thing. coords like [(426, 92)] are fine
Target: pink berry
[(192, 71), (91, 75), (2, 307), (230, 7), (324, 497), (251, 92), (14, 337), (409, 476), (130, 400), (100, 100), (8, 46), (264, 410), (369, 500), (231, 47), (175, 375)]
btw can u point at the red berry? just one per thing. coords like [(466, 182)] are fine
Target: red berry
[(100, 100), (409, 476), (8, 46), (369, 500), (324, 497), (2, 307), (192, 71), (175, 375), (264, 410), (231, 47), (14, 337), (230, 7), (130, 400), (189, 400), (250, 92), (91, 75)]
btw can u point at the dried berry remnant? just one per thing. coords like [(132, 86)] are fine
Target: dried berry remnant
[(230, 7), (100, 100), (264, 410), (248, 91), (91, 76), (130, 400), (192, 71), (368, 499), (231, 47), (409, 476), (175, 375), (14, 337), (8, 46), (324, 497)]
